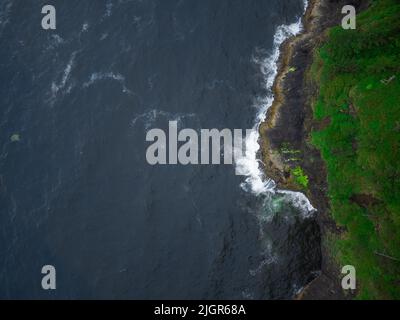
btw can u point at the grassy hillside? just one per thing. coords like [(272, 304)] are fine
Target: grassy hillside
[(358, 73)]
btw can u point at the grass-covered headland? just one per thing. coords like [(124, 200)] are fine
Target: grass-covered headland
[(358, 75)]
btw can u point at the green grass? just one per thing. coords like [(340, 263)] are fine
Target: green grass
[(358, 72), (300, 177)]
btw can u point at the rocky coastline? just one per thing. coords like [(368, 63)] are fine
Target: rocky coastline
[(285, 134)]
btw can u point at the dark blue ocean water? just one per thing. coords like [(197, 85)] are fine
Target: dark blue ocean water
[(76, 191)]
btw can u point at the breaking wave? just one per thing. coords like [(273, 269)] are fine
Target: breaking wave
[(250, 165)]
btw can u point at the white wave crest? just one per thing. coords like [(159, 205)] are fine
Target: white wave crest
[(250, 165), (299, 201)]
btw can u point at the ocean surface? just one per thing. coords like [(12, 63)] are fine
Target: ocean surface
[(76, 191)]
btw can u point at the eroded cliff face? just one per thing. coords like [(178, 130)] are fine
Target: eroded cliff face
[(289, 157)]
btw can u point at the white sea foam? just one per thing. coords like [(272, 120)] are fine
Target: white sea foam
[(100, 76), (85, 27), (250, 165), (299, 201), (55, 41), (56, 87), (268, 258), (263, 263), (109, 7), (149, 117), (5, 10), (103, 36)]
